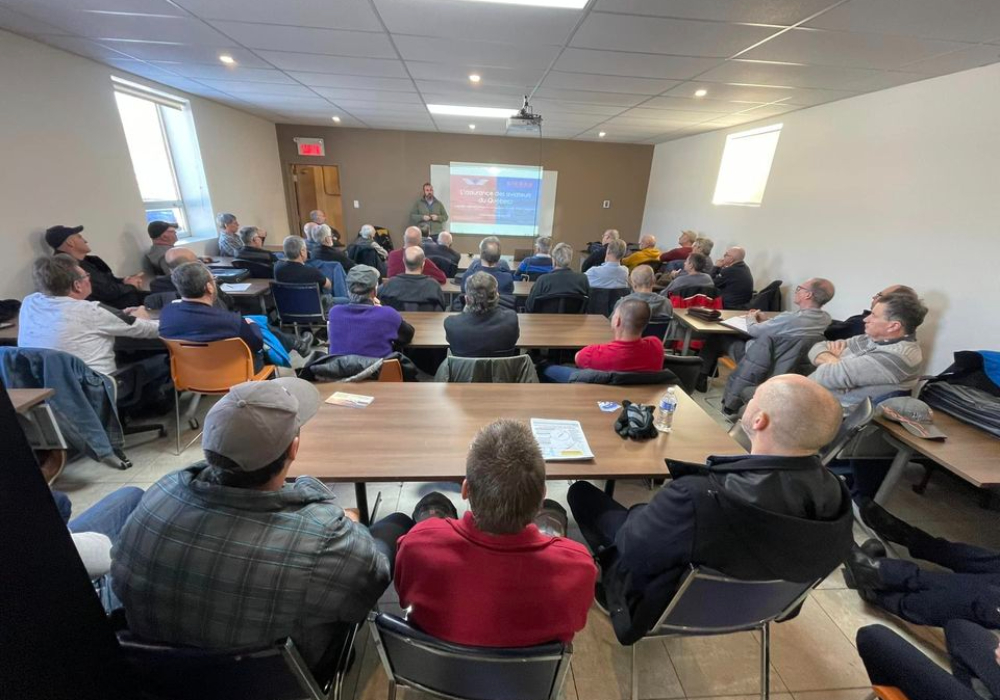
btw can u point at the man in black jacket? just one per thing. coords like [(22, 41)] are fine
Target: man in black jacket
[(121, 293), (412, 287), (442, 248), (777, 514), (733, 279), (597, 257), (561, 280)]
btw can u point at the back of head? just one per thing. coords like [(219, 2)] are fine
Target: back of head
[(704, 245), (367, 231), (898, 289), (543, 244), (688, 237), (616, 249), (822, 290), (361, 282), (292, 247), (634, 314), (489, 251), (481, 293), (486, 241), (191, 280), (54, 275), (311, 231), (413, 258), (224, 219), (905, 308), (315, 215), (737, 253), (562, 255), (176, 257), (802, 416), (647, 240), (412, 236), (641, 278), (445, 239), (246, 234), (506, 477), (158, 228), (700, 262)]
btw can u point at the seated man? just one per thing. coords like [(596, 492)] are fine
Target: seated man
[(365, 251), (684, 247), (492, 578), (807, 320), (230, 244), (855, 325), (395, 266), (647, 253), (968, 592), (696, 269), (365, 327), (561, 280), (541, 261), (799, 512), (733, 279), (225, 554), (484, 328), (610, 274), (293, 269), (597, 257), (164, 236), (121, 293), (490, 262), (253, 246), (413, 286), (629, 352), (318, 217), (442, 248), (641, 279), (885, 359), (321, 245), (196, 317), (58, 317)]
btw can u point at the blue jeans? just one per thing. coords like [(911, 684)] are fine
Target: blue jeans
[(558, 373), (108, 515)]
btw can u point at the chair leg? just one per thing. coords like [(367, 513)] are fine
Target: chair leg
[(765, 662), (635, 672), (177, 415)]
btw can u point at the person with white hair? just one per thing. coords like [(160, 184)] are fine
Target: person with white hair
[(561, 280), (491, 243), (539, 263), (320, 242), (442, 248), (395, 264), (685, 243), (647, 253), (597, 256), (293, 269), (230, 243), (610, 274), (484, 328), (365, 251)]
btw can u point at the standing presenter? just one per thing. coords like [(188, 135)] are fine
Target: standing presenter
[(428, 213)]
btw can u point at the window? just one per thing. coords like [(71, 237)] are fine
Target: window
[(746, 164), (159, 131)]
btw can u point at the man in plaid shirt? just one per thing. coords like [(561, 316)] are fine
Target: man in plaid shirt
[(224, 554)]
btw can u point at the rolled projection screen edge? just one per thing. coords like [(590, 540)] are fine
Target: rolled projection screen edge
[(441, 180)]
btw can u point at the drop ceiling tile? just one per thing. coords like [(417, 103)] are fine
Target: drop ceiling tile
[(221, 72), (641, 114), (286, 103), (82, 47), (728, 92), (667, 36), (558, 106), (482, 100), (147, 7), (880, 80), (607, 83), (855, 50), (353, 81), (792, 75), (332, 14), (447, 19), (334, 64), (375, 96), (324, 119), (180, 53), (623, 63), (955, 61), (308, 39), (183, 30), (783, 12), (603, 98), (955, 20), (240, 88), (459, 90), (459, 72), (369, 106), (415, 48), (697, 104), (29, 24), (144, 69)]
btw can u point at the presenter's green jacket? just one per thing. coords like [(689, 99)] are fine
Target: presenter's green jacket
[(420, 210)]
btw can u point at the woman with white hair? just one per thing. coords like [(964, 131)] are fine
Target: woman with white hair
[(484, 328), (320, 242)]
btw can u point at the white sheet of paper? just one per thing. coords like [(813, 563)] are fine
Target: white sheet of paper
[(561, 439), (239, 287), (737, 322)]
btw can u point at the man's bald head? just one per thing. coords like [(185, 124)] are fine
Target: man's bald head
[(176, 257), (737, 253), (411, 236), (646, 241), (641, 278), (791, 415), (632, 316), (444, 238), (413, 259)]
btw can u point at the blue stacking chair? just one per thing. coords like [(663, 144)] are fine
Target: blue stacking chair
[(298, 304)]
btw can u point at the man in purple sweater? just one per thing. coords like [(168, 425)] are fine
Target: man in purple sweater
[(364, 326)]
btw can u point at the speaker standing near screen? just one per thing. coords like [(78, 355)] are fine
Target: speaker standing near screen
[(428, 213)]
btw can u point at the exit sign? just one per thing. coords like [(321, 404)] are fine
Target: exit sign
[(310, 147)]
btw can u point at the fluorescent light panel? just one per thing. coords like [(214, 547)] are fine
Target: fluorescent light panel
[(461, 111), (562, 4)]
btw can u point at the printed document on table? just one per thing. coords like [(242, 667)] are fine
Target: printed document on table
[(737, 322), (561, 439), (236, 287)]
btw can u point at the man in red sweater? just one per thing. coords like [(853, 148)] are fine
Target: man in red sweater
[(683, 249), (492, 578), (628, 352), (395, 266)]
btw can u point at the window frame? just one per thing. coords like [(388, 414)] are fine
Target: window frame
[(724, 176)]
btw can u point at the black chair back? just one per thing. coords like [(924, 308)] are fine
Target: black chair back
[(418, 306), (417, 660), (767, 299), (686, 368), (448, 266), (256, 269), (533, 275), (655, 264), (657, 327), (561, 304), (602, 301), (298, 304), (856, 421), (706, 290)]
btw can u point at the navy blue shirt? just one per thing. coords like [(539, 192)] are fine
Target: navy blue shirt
[(191, 320)]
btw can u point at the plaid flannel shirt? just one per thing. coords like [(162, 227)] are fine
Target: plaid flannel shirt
[(212, 566)]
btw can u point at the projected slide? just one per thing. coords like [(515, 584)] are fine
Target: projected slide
[(502, 200)]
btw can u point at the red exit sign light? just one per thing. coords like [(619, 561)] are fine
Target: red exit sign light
[(310, 147)]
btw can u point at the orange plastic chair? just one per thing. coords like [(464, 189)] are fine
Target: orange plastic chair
[(209, 368), (391, 371), (887, 692)]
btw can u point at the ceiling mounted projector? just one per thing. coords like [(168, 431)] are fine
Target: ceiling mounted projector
[(524, 122)]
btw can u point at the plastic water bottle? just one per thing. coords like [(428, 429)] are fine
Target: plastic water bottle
[(665, 411)]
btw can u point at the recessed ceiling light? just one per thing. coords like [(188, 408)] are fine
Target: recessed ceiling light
[(475, 77), (472, 126), (336, 119), (601, 134), (700, 93), (463, 111), (227, 59), (564, 4)]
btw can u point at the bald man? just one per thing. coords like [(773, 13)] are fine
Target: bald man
[(855, 325), (442, 248), (599, 255), (412, 237), (777, 514), (647, 253), (413, 290), (733, 278)]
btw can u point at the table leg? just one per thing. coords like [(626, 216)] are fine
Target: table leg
[(609, 487), (686, 345), (892, 477), (361, 495)]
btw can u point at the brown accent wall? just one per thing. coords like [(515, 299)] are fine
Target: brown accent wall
[(384, 170)]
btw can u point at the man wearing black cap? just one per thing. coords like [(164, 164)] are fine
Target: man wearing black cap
[(226, 554), (164, 236), (121, 293)]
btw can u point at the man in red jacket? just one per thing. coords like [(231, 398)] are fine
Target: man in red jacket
[(492, 578), (395, 266)]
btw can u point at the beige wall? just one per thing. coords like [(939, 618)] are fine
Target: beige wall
[(384, 170), (63, 160)]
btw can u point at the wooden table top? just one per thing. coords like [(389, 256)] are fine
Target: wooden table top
[(26, 399), (714, 327), (521, 288), (257, 287), (968, 452), (537, 330), (421, 431)]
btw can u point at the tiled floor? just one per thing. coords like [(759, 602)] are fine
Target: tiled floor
[(813, 656)]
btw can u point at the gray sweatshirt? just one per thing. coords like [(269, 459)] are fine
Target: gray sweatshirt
[(868, 368)]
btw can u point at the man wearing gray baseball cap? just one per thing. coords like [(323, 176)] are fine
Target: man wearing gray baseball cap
[(226, 554), (365, 327)]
